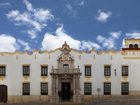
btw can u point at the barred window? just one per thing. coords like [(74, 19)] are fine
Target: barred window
[(66, 66), (124, 70), (107, 88), (44, 70), (44, 88), (26, 89), (87, 70), (107, 70), (125, 88), (26, 70), (87, 88), (2, 70)]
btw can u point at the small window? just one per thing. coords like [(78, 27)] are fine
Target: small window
[(125, 88), (87, 70), (65, 66), (130, 45), (124, 70), (2, 70), (107, 70), (87, 88), (136, 46), (107, 88), (44, 88), (26, 70), (44, 70), (26, 89)]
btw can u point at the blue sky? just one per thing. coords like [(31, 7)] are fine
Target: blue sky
[(84, 24)]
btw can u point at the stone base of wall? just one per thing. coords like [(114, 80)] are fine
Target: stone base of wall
[(86, 98), (134, 93), (27, 99), (77, 98)]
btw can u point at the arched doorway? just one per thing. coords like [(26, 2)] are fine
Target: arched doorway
[(3, 93), (65, 89)]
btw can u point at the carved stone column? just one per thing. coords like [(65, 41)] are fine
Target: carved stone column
[(77, 96), (78, 84), (54, 96), (53, 85), (74, 85), (56, 89)]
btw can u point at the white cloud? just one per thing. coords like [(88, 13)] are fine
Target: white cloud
[(8, 43), (34, 19), (89, 45), (103, 16), (82, 3), (24, 44), (133, 35), (106, 42), (71, 11), (4, 4), (115, 35), (123, 44), (109, 42), (51, 42), (28, 5)]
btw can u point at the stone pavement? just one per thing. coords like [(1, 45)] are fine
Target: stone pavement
[(120, 100), (127, 100)]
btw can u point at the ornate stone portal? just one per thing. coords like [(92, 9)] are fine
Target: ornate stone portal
[(65, 78)]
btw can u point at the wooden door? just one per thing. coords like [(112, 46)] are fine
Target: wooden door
[(3, 93)]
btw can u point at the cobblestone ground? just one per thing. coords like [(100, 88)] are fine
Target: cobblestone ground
[(99, 101)]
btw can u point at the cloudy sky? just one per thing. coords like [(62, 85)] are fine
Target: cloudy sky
[(84, 24)]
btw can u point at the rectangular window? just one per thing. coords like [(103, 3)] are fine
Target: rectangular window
[(65, 66), (2, 70), (44, 70), (87, 70), (87, 88), (107, 70), (107, 88), (124, 70), (26, 89), (26, 70), (125, 88), (44, 88)]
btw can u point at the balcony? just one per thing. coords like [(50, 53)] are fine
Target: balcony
[(130, 49), (65, 71)]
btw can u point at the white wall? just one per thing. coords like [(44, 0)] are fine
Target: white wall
[(14, 78)]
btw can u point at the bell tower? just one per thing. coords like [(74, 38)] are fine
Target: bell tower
[(131, 48)]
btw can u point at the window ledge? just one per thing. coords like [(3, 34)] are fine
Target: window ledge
[(87, 76), (107, 76), (44, 77), (2, 77), (26, 76), (124, 76)]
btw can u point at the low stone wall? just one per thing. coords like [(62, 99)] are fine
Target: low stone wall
[(27, 99)]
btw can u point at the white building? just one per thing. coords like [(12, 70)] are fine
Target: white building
[(66, 74)]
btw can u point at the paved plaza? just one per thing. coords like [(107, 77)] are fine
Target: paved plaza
[(128, 100)]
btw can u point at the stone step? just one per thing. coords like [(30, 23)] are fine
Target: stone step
[(66, 103)]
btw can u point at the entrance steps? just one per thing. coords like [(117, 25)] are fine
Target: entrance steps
[(66, 103)]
